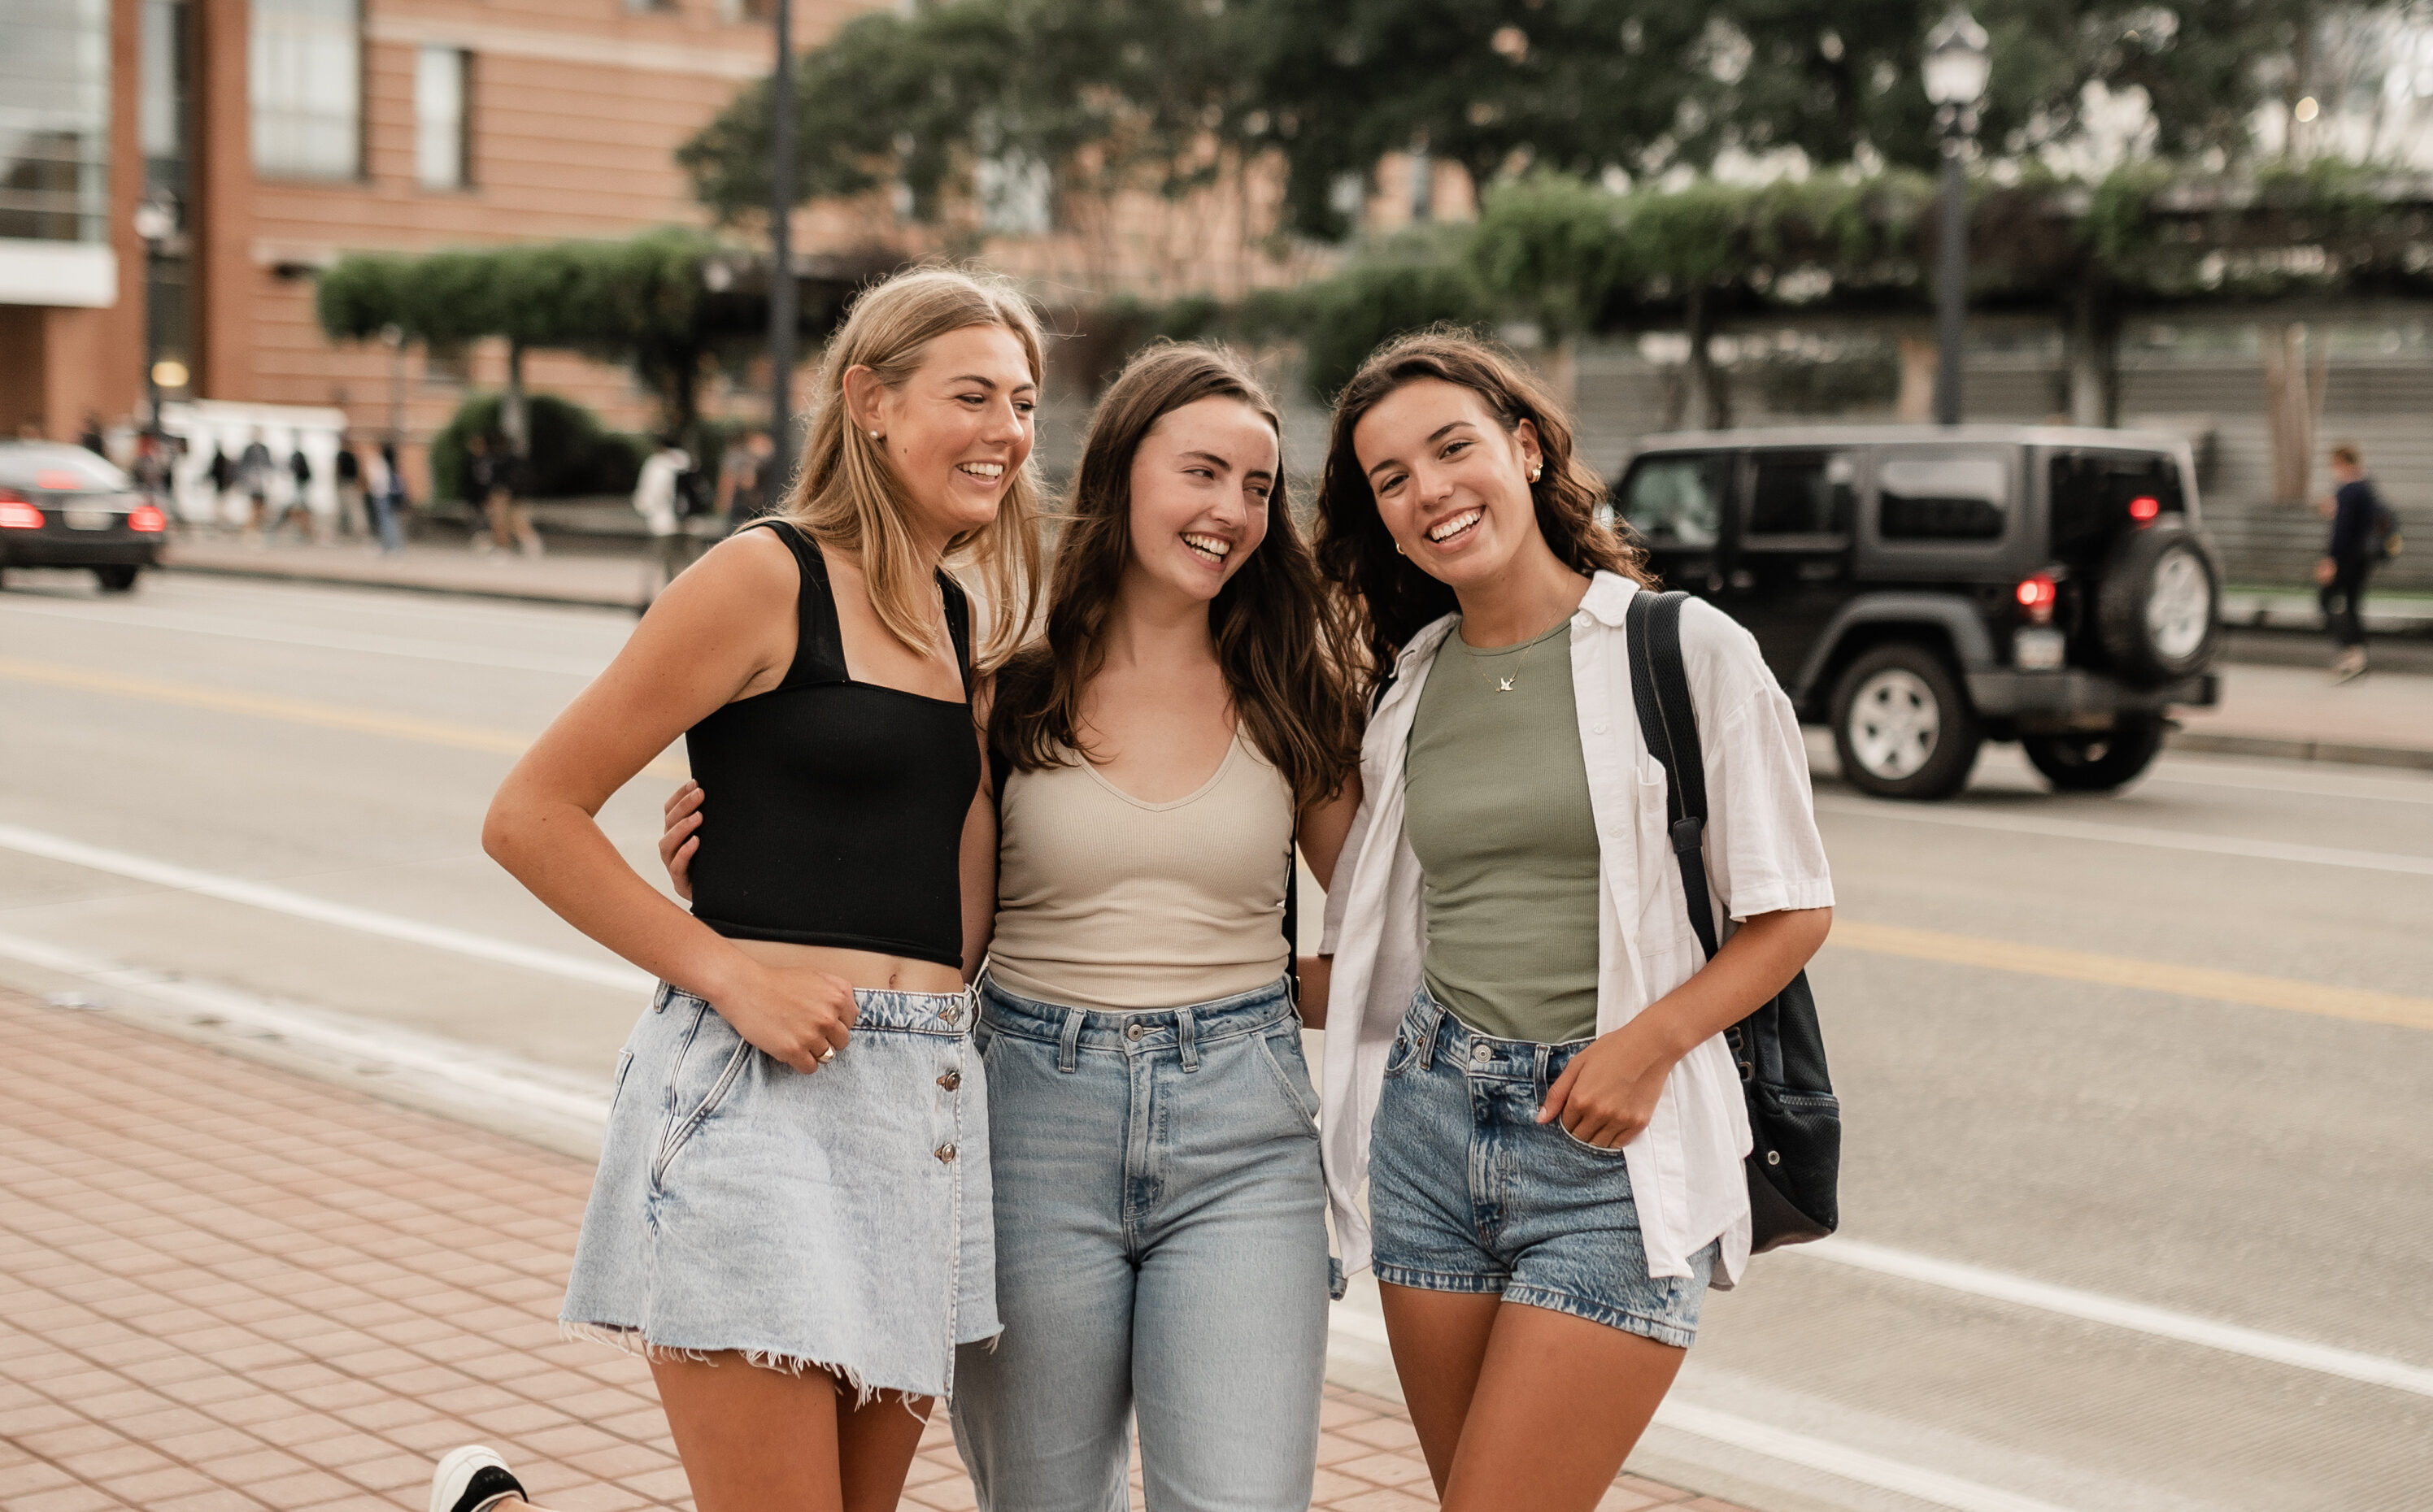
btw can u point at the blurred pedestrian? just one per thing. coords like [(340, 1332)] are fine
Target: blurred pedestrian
[(475, 468), (389, 499), (92, 437), (150, 469), (348, 471), (655, 499), (221, 473), (253, 468), (295, 502), (511, 526), (2361, 523), (747, 476)]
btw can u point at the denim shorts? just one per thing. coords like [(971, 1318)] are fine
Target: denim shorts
[(1469, 1192), (838, 1220)]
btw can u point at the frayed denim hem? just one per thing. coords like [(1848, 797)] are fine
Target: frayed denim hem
[(626, 1339)]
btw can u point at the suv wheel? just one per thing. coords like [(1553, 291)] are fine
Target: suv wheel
[(2098, 761), (2160, 607), (1903, 725), (115, 579)]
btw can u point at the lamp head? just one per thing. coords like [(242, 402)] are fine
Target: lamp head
[(156, 219), (1957, 63)]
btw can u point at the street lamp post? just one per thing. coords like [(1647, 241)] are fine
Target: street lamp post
[(781, 208), (156, 222), (1957, 65)]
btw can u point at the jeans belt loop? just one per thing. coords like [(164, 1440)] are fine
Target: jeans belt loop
[(1069, 1048), (660, 998), (1545, 1054), (1186, 1034), (1431, 1021)]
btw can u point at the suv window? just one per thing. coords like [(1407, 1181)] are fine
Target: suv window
[(2093, 492), (1676, 499), (1944, 498), (1802, 493)]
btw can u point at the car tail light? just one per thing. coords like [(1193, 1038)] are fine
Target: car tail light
[(147, 517), (15, 514), (2036, 596), (2144, 508), (59, 481)]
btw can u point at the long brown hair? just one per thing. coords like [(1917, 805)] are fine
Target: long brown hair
[(1273, 620), (1389, 598), (846, 495)]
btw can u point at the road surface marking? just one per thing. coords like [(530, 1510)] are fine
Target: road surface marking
[(1838, 1460), (477, 1080), (2123, 971), (2170, 839), (292, 710), (2361, 789), (611, 974), (2322, 1358), (316, 638)]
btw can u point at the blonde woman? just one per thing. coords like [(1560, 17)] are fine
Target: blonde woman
[(791, 1216)]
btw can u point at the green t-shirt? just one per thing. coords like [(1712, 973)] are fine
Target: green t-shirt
[(1496, 807)]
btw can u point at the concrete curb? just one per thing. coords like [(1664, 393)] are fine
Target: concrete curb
[(452, 590), (2291, 750)]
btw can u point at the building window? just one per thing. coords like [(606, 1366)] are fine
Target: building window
[(307, 87), (443, 135), (54, 120)]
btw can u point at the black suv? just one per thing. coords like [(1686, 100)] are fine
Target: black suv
[(1922, 588)]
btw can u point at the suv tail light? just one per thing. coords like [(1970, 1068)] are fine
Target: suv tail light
[(147, 517), (2036, 596), (2144, 508), (15, 514)]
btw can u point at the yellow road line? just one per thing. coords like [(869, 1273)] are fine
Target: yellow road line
[(291, 710), (2122, 971)]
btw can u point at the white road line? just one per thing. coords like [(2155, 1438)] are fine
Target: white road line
[(2162, 1322), (2170, 839), (1850, 1464), (2364, 790), (471, 1076), (1363, 1327), (315, 639), (609, 974)]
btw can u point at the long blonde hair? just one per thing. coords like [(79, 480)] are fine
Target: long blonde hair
[(846, 495)]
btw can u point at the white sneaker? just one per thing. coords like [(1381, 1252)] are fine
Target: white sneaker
[(2349, 665), (472, 1479)]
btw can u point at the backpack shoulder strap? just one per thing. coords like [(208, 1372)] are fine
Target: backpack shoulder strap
[(1660, 686)]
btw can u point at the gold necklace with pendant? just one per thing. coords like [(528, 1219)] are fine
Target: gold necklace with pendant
[(1502, 682)]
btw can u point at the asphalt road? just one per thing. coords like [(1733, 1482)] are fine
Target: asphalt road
[(2137, 1175)]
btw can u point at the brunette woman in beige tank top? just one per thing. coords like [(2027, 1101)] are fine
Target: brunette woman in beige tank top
[(1162, 1248)]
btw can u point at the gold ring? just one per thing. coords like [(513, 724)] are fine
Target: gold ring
[(827, 1055)]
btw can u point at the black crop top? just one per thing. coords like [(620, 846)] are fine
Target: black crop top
[(835, 811)]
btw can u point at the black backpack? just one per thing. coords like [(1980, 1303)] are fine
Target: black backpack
[(1794, 1161)]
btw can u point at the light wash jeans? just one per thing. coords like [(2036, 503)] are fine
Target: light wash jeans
[(1161, 1246)]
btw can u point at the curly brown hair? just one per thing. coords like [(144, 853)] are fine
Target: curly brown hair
[(1274, 620), (1388, 599)]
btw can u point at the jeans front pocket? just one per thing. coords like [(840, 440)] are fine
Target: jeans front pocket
[(686, 1110), (1601, 1152), (1291, 1070)]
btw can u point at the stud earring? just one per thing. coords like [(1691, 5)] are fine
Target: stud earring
[(1536, 469), (875, 435)]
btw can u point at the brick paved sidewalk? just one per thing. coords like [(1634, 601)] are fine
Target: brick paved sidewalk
[(223, 1289)]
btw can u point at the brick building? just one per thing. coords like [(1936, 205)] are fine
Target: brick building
[(286, 131)]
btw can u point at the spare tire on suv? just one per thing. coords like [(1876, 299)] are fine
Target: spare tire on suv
[(2158, 607)]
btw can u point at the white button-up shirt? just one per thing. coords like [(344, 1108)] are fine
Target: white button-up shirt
[(1763, 855)]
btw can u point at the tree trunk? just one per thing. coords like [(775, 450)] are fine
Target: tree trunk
[(512, 418), (1708, 403), (1919, 358), (2093, 342), (2293, 403)]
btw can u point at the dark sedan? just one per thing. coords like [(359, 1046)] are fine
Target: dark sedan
[(63, 506)]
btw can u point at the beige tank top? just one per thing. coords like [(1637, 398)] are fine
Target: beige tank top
[(1108, 903)]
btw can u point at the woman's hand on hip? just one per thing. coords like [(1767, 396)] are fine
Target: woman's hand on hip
[(1608, 1092), (681, 814), (797, 1015)]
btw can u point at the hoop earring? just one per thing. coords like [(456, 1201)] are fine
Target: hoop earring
[(1536, 470)]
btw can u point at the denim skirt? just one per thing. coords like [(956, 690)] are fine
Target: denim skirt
[(836, 1221)]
